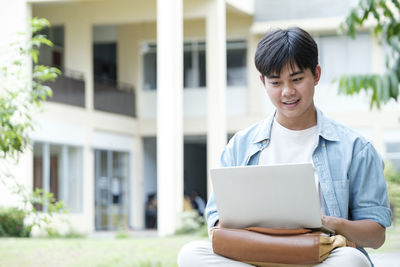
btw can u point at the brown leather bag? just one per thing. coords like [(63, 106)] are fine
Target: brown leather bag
[(275, 247)]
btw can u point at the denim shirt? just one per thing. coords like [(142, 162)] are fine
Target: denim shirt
[(350, 170)]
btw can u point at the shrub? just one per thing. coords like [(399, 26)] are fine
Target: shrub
[(391, 174), (12, 223), (393, 184), (191, 222)]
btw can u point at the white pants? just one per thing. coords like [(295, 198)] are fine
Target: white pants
[(200, 254)]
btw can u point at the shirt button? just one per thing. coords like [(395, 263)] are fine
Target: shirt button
[(264, 142), (323, 145)]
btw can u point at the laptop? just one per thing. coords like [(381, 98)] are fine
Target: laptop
[(272, 196)]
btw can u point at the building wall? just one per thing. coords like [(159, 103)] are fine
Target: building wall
[(294, 10)]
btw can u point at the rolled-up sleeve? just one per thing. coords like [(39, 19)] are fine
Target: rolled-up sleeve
[(368, 191)]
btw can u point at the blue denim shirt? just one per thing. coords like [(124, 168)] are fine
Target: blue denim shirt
[(349, 169)]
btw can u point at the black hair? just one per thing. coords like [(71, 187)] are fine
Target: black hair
[(278, 47)]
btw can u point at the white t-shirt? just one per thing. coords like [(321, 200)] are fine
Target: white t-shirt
[(291, 146)]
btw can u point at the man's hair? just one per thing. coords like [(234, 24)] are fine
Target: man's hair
[(278, 47)]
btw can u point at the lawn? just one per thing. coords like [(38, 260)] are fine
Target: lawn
[(133, 252)]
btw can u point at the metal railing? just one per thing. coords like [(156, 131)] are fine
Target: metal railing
[(69, 88), (115, 97)]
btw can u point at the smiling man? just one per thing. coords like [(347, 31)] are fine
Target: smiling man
[(348, 170)]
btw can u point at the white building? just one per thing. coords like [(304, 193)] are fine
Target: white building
[(99, 145)]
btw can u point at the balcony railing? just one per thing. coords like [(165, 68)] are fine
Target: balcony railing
[(114, 97), (69, 88)]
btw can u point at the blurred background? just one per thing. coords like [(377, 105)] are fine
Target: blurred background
[(150, 92)]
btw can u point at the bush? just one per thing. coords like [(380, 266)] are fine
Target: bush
[(191, 222), (12, 223), (390, 173), (393, 184)]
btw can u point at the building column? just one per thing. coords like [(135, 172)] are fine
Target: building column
[(79, 41), (256, 91), (216, 84), (136, 187), (14, 19), (169, 115)]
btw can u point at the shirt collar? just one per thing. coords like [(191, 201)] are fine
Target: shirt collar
[(326, 129)]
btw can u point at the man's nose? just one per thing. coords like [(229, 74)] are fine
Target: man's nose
[(288, 91)]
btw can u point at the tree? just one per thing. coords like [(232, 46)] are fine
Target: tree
[(21, 96), (22, 92), (384, 15)]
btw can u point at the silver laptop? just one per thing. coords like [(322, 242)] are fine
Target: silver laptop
[(273, 196)]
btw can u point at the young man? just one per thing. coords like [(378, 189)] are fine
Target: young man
[(348, 170)]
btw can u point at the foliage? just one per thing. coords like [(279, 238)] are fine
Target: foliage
[(394, 197), (22, 91), (385, 14), (191, 222), (390, 173), (17, 102), (393, 184), (12, 223)]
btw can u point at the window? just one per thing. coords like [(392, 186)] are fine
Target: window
[(54, 55), (236, 67), (58, 169), (111, 189), (149, 66), (194, 64), (393, 154)]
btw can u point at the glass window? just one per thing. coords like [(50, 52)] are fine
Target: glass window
[(149, 67), (194, 64), (54, 55), (58, 169), (111, 189), (236, 71)]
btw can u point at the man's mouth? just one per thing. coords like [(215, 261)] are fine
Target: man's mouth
[(291, 102)]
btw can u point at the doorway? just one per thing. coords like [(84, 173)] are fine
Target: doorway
[(111, 189)]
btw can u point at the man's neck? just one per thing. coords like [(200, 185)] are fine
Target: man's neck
[(305, 121)]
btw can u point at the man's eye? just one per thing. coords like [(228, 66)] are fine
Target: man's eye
[(298, 79), (274, 83)]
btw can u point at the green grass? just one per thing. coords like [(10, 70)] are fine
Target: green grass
[(132, 252)]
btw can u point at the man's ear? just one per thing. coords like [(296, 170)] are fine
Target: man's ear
[(262, 78), (317, 75)]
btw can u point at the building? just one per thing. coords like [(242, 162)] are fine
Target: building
[(152, 90)]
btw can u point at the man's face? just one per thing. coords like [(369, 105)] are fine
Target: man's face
[(292, 93)]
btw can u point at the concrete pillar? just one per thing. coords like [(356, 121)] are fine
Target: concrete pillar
[(256, 91), (79, 41), (136, 212), (216, 83), (169, 114), (14, 19)]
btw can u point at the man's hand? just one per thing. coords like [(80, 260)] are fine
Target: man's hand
[(365, 233)]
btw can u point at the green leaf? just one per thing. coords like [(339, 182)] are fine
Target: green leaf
[(385, 94), (394, 85)]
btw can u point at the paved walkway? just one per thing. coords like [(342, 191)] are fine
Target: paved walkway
[(386, 259)]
